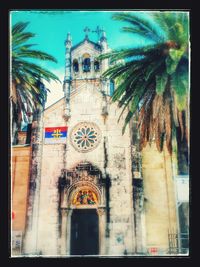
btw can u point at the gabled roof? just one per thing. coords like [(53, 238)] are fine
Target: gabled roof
[(96, 46), (54, 103)]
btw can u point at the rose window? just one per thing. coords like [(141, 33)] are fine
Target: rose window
[(85, 136)]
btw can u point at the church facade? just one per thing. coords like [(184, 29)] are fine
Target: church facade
[(90, 190)]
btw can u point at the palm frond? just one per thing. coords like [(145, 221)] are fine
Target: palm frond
[(44, 73), (21, 38), (139, 53), (28, 92), (19, 27), (22, 48), (161, 81), (141, 23), (36, 54)]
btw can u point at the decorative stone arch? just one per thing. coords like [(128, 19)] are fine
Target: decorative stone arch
[(75, 65), (83, 186), (84, 165), (96, 65), (86, 55), (86, 177), (86, 62), (82, 175)]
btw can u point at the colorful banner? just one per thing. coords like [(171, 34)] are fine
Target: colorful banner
[(55, 135)]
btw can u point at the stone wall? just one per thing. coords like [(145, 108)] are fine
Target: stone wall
[(159, 194), (90, 104), (113, 158), (20, 185)]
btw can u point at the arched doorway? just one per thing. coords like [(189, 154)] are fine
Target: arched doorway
[(83, 217), (84, 232), (84, 222)]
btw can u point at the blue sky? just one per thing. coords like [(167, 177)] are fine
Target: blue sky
[(51, 28)]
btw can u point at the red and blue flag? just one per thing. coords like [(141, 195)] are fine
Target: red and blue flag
[(55, 135)]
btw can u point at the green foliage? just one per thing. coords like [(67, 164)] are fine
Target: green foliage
[(28, 91), (173, 59), (147, 77), (140, 24), (180, 91), (161, 81)]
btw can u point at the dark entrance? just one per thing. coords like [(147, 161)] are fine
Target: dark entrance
[(84, 232)]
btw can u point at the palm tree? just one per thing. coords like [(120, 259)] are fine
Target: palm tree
[(152, 80), (28, 92)]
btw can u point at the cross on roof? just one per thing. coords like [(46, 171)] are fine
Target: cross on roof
[(86, 30), (98, 31)]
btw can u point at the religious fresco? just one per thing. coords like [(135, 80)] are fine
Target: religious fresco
[(85, 197)]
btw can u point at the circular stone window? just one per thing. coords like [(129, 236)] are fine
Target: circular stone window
[(85, 136)]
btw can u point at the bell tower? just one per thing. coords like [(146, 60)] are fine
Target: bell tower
[(83, 66)]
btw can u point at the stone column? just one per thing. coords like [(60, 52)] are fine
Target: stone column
[(64, 233), (68, 230), (101, 211), (31, 235)]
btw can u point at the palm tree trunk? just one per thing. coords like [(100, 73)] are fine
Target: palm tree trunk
[(14, 132)]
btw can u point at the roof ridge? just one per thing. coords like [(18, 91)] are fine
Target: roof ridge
[(88, 40)]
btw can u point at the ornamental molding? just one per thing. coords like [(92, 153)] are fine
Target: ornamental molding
[(85, 136), (75, 188)]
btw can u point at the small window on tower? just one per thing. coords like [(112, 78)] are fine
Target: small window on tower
[(86, 63), (75, 65), (96, 65)]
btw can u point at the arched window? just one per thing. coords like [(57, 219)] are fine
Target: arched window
[(75, 65), (96, 65), (86, 63)]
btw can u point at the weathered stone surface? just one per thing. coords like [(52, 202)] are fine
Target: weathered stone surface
[(133, 215), (20, 185), (160, 205)]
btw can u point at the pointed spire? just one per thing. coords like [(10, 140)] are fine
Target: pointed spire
[(86, 30), (103, 37), (68, 41), (103, 41), (69, 38)]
